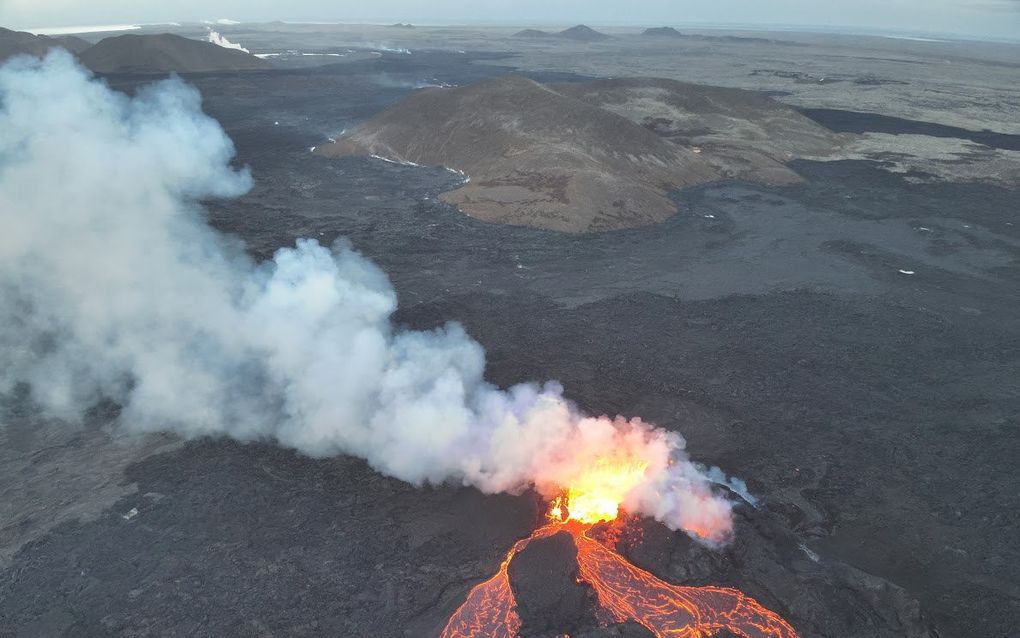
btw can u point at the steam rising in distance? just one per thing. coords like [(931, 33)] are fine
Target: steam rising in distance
[(216, 38)]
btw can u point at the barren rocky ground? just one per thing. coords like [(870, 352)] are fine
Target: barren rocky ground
[(848, 345)]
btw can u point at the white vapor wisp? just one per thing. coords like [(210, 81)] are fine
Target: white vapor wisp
[(216, 38), (113, 286)]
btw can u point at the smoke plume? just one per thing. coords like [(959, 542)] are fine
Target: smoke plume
[(113, 286), (218, 39)]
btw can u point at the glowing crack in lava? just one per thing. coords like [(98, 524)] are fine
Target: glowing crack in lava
[(626, 592), (630, 593)]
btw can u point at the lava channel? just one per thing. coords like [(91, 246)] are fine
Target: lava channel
[(626, 592)]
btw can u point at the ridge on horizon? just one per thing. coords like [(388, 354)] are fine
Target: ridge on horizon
[(843, 30)]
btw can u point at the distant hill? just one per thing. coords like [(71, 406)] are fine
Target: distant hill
[(737, 39), (534, 33), (670, 32), (20, 42), (535, 157), (583, 33), (580, 33), (402, 25), (663, 31), (166, 53)]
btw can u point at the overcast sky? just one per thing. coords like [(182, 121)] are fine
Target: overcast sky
[(990, 18)]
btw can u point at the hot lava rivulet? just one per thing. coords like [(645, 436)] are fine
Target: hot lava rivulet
[(625, 592)]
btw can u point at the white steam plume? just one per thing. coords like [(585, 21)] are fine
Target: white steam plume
[(112, 285), (216, 38)]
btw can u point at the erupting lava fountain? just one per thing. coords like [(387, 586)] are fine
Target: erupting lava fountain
[(625, 592)]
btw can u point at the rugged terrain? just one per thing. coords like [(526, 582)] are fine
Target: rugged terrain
[(135, 53), (846, 343), (745, 134), (21, 43), (533, 156), (165, 53), (587, 156)]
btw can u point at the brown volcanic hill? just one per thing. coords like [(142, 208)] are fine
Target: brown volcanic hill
[(166, 53), (20, 42), (583, 33), (663, 31), (745, 134), (535, 156)]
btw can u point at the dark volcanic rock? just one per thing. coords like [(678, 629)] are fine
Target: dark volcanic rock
[(543, 577), (822, 597), (228, 540), (858, 407), (856, 122), (22, 43), (663, 31), (166, 53)]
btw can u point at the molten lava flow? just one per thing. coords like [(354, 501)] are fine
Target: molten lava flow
[(630, 593), (595, 494), (490, 608), (625, 591)]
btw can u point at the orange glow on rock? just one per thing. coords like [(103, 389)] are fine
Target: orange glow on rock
[(626, 592)]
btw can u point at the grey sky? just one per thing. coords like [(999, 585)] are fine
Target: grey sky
[(989, 18)]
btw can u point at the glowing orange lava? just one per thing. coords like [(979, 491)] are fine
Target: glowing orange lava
[(626, 592), (490, 608), (595, 494), (630, 593)]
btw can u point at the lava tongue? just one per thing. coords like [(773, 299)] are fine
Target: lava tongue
[(544, 580)]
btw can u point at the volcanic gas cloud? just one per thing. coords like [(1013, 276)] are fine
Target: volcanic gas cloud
[(113, 286)]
